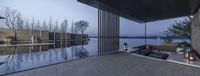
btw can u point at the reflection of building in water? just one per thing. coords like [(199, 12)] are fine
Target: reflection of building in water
[(25, 49), (20, 58), (26, 57), (81, 52)]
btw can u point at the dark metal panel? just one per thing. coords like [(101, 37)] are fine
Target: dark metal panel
[(195, 4), (108, 30), (145, 35), (147, 10)]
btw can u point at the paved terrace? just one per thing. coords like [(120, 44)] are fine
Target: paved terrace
[(114, 65)]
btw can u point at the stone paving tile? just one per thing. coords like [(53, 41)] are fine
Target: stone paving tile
[(113, 65)]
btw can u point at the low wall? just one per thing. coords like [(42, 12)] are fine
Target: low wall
[(77, 37), (23, 35), (26, 35), (66, 36)]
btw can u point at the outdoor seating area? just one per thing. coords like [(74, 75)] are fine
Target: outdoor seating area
[(148, 50), (170, 53)]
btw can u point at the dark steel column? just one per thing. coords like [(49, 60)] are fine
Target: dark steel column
[(108, 30), (145, 33)]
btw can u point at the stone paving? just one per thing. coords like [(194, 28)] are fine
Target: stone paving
[(121, 64)]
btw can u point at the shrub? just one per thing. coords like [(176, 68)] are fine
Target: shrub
[(185, 44), (168, 39)]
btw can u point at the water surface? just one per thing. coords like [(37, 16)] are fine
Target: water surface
[(14, 59)]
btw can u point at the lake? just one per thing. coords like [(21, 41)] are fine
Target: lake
[(15, 59)]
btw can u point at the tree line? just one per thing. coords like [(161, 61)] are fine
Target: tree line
[(180, 29), (15, 21)]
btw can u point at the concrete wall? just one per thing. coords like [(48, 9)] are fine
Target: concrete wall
[(76, 37), (66, 36), (24, 35), (59, 36), (196, 31)]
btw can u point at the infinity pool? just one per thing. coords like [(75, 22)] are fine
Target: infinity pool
[(15, 59)]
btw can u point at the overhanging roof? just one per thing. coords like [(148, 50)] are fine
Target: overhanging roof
[(147, 10)]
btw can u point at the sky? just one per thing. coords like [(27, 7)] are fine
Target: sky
[(73, 11)]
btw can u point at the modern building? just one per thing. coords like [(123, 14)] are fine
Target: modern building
[(142, 11), (117, 64)]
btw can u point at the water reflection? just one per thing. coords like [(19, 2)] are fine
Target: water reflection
[(22, 58), (81, 52)]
